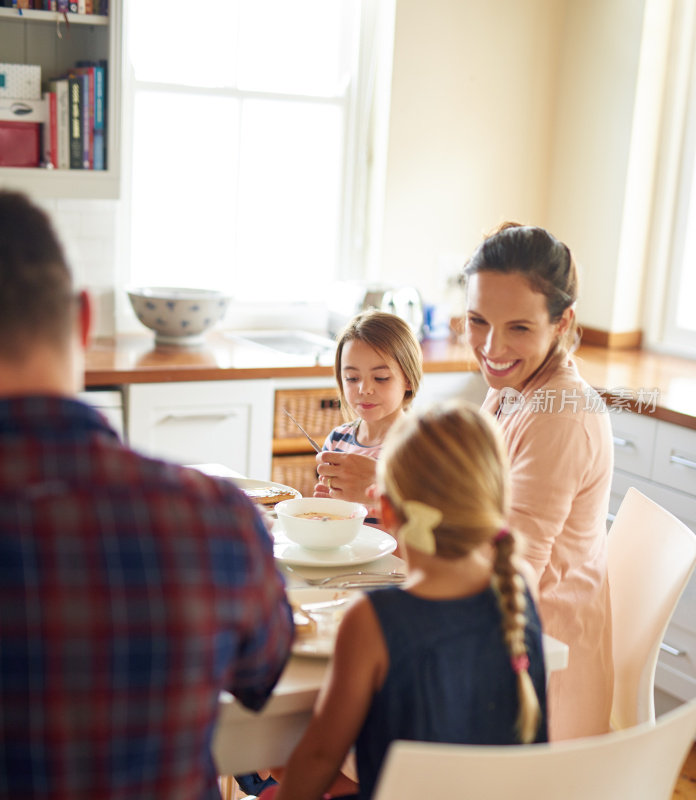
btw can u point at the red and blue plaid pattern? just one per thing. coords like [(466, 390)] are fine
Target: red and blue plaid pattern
[(131, 593)]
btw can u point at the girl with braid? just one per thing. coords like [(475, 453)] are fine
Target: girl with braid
[(454, 656)]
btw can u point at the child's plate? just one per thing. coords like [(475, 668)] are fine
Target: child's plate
[(326, 607)]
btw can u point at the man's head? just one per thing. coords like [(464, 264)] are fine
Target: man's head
[(41, 317)]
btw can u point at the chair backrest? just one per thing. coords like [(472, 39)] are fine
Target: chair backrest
[(640, 763), (651, 556)]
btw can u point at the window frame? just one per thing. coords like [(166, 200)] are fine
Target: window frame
[(675, 191)]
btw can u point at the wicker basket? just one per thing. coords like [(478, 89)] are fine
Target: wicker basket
[(296, 471), (317, 410)]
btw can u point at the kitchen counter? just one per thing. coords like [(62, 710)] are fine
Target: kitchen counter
[(134, 358), (629, 377)]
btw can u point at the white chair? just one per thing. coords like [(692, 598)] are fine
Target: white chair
[(651, 556), (639, 763)]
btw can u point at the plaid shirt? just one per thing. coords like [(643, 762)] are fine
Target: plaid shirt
[(131, 593)]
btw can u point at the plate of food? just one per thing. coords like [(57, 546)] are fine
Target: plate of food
[(317, 613), (266, 493)]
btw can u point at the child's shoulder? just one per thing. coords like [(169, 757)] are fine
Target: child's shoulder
[(342, 435)]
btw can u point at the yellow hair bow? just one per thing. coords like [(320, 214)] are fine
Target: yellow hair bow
[(417, 531)]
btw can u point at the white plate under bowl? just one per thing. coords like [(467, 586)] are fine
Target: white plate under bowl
[(369, 545), (322, 644)]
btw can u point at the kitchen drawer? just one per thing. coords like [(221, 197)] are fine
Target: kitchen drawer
[(680, 504), (634, 441), (296, 471), (675, 457), (317, 410), (215, 422), (676, 669)]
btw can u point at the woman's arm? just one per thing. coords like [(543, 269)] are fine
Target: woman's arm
[(357, 670), (547, 465)]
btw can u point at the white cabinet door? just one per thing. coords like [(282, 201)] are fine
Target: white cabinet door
[(634, 441), (675, 457), (222, 422)]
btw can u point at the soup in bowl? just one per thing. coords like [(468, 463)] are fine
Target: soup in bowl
[(320, 523)]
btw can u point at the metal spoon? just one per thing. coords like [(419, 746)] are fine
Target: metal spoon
[(309, 438)]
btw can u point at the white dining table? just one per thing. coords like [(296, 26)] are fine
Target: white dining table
[(247, 741)]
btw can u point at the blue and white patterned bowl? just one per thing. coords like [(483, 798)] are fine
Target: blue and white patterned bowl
[(178, 316)]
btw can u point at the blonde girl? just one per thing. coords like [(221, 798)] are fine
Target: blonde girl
[(378, 368), (456, 656)]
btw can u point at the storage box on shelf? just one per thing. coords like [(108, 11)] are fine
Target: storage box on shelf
[(659, 459), (318, 411), (44, 38)]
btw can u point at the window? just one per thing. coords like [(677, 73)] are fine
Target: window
[(671, 318), (246, 148)]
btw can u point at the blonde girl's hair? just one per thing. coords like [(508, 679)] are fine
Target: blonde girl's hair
[(452, 458), (392, 337), (543, 260)]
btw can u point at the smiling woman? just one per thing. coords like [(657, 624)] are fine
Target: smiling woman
[(521, 290)]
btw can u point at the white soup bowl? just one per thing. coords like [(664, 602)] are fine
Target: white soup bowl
[(325, 532)]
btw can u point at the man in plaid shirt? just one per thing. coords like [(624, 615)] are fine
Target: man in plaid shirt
[(132, 591)]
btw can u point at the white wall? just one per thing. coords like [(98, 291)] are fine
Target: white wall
[(544, 111), (473, 93), (612, 73)]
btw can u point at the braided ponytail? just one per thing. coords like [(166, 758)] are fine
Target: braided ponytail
[(510, 588)]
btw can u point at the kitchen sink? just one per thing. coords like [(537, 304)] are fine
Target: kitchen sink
[(302, 344)]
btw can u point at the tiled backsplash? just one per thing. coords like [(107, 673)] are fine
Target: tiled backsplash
[(88, 230)]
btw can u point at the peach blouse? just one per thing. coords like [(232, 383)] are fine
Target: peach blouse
[(561, 454)]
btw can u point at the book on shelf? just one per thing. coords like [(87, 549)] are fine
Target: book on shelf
[(76, 121), (63, 6), (49, 133), (61, 90), (96, 70), (86, 74)]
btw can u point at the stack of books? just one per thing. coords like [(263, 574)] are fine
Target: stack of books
[(64, 6), (74, 135)]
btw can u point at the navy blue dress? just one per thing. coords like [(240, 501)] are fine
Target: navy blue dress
[(449, 677)]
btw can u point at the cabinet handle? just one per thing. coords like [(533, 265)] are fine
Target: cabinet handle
[(619, 442), (683, 462), (197, 416), (673, 651)]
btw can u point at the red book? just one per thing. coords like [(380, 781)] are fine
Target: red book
[(50, 132)]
